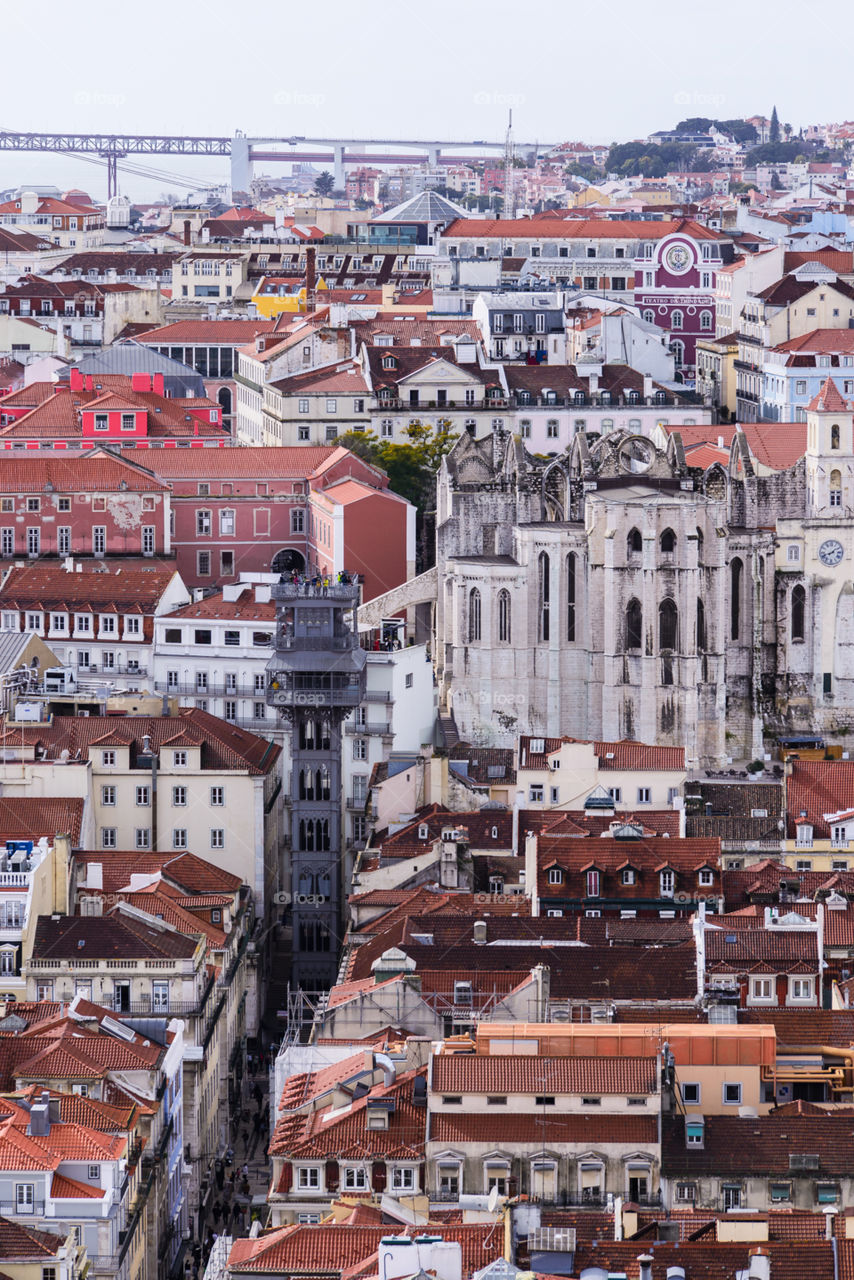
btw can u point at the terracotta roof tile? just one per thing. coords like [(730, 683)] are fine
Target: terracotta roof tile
[(505, 1074)]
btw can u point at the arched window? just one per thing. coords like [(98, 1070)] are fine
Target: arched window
[(705, 319), (834, 436), (634, 625), (474, 615), (677, 320), (836, 488), (736, 570), (667, 542), (544, 593), (579, 397), (678, 349), (649, 317), (570, 596), (701, 627), (504, 617), (324, 791), (667, 624), (634, 542), (799, 600)]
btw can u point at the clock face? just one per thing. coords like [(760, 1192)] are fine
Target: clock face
[(831, 552), (677, 258)]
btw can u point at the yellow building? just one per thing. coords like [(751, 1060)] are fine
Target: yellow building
[(716, 376), (276, 295)]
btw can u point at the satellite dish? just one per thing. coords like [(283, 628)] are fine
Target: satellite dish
[(492, 1202)]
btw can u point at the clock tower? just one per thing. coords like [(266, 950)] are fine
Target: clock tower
[(829, 455)]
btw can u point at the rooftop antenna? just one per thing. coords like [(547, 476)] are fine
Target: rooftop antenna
[(509, 186)]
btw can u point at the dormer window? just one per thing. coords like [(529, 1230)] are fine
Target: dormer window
[(593, 884), (389, 362), (707, 876), (694, 1132), (555, 875), (423, 831), (804, 834), (629, 875), (667, 881)]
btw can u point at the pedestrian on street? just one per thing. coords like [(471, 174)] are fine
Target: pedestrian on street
[(216, 1212), (257, 1094), (245, 1172)]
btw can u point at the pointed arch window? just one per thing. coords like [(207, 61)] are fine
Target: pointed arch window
[(736, 572), (634, 543), (634, 624), (667, 542), (544, 588), (701, 627), (700, 546), (570, 595), (668, 618), (504, 619), (474, 615), (834, 436), (798, 611)]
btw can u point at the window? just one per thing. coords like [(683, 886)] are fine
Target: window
[(355, 1178), (63, 540), (226, 522), (99, 540), (101, 421), (217, 837), (203, 523), (202, 635), (691, 1093), (686, 1192), (677, 320), (570, 596), (555, 875), (629, 875), (535, 793), (402, 1179), (179, 759), (179, 797), (735, 569), (143, 838), (544, 593), (331, 406), (667, 882), (108, 758), (203, 564), (504, 617), (544, 1101), (25, 1199), (644, 795), (360, 749), (800, 988), (108, 838), (797, 611), (217, 797), (732, 1095), (474, 615), (593, 884), (762, 989), (634, 625), (667, 624), (7, 542), (179, 838), (108, 795), (34, 542), (308, 1179), (694, 1131), (707, 877)]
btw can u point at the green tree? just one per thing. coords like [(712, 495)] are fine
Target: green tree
[(324, 183), (774, 129), (411, 469)]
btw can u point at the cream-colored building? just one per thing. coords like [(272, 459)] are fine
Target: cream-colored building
[(561, 773), (205, 276), (716, 374)]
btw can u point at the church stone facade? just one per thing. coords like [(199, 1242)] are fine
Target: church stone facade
[(617, 592)]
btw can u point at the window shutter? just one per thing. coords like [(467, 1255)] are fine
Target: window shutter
[(378, 1176), (331, 1175), (287, 1178)]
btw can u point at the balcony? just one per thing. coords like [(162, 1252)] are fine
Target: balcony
[(369, 727), (357, 803), (377, 695)]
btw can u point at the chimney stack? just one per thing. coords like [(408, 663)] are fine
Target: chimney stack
[(187, 236), (75, 380), (758, 1264), (645, 1266)]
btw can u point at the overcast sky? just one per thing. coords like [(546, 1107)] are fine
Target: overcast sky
[(599, 72)]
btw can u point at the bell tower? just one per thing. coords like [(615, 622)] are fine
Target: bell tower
[(830, 454)]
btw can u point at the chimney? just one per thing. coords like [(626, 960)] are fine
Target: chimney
[(157, 384), (75, 380), (40, 1120), (310, 276), (479, 932), (647, 388), (89, 382), (758, 1264), (188, 240), (645, 1266)]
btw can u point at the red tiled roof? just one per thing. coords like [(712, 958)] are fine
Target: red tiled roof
[(820, 341), (92, 471), (106, 589), (611, 755), (30, 818), (191, 873), (323, 1134), (817, 787), (581, 228), (760, 1146), (223, 746), (19, 1241), (327, 1250), (64, 1188), (500, 1073), (829, 399)]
